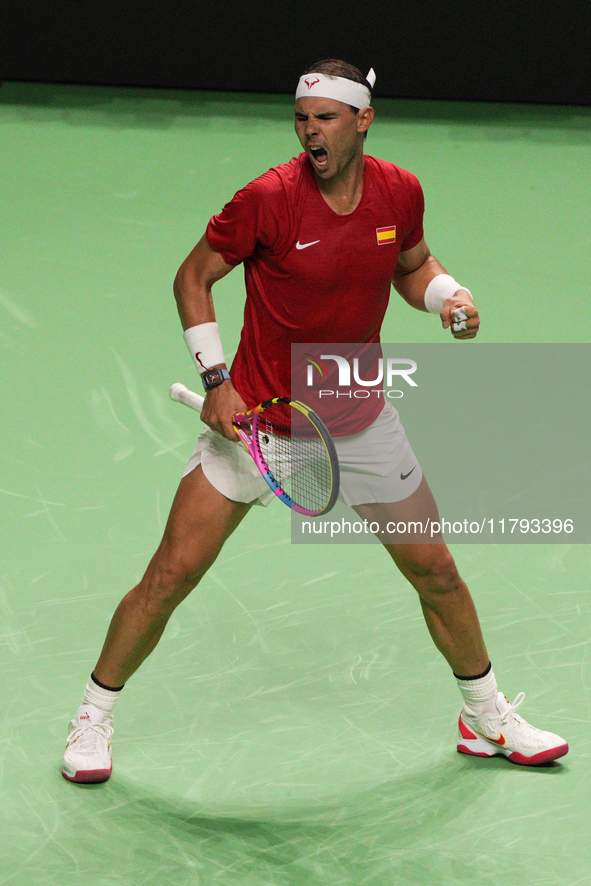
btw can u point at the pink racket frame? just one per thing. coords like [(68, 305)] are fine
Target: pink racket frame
[(250, 442)]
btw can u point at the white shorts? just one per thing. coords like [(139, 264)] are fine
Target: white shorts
[(377, 465)]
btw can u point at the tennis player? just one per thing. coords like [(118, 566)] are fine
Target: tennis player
[(321, 238)]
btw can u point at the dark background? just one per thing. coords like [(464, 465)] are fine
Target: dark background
[(537, 51)]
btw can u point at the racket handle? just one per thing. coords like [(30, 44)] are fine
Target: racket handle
[(183, 395)]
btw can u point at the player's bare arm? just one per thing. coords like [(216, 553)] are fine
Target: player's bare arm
[(193, 284), (416, 268)]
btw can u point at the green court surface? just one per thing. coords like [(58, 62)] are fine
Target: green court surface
[(295, 725)]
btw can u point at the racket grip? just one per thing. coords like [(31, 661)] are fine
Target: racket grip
[(182, 394)]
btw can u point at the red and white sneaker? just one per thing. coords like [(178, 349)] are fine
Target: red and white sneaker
[(488, 734), (87, 758)]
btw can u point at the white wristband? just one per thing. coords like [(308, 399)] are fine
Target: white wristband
[(441, 287), (205, 346)]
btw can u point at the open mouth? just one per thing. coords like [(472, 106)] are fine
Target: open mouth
[(319, 155)]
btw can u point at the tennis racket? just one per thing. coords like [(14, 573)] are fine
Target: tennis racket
[(290, 446)]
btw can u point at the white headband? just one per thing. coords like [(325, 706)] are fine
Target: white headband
[(339, 88)]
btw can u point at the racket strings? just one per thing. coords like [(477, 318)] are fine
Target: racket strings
[(296, 455)]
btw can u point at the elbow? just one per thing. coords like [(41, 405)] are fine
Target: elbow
[(179, 283)]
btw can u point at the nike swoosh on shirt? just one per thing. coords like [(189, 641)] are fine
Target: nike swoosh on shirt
[(305, 245), (404, 476)]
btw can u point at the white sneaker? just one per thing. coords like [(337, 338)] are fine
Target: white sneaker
[(87, 757), (487, 734)]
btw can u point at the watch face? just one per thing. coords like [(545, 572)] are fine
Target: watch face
[(214, 377)]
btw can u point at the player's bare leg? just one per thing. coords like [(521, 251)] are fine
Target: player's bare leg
[(448, 608), (447, 605), (200, 521), (488, 723)]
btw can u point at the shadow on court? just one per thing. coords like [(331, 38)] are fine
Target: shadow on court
[(398, 831)]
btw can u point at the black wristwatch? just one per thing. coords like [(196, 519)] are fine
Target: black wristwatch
[(214, 377)]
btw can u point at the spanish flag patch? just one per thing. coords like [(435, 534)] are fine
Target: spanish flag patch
[(386, 235)]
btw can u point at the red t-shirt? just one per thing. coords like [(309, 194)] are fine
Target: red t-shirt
[(312, 275)]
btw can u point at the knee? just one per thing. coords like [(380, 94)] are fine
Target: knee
[(434, 572), (172, 573), (168, 580)]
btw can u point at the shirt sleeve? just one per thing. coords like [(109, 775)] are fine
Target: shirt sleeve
[(245, 222), (416, 207)]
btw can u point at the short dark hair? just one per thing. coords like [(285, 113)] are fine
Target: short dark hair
[(335, 67)]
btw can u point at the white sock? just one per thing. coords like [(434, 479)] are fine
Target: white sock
[(481, 694), (104, 699)]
